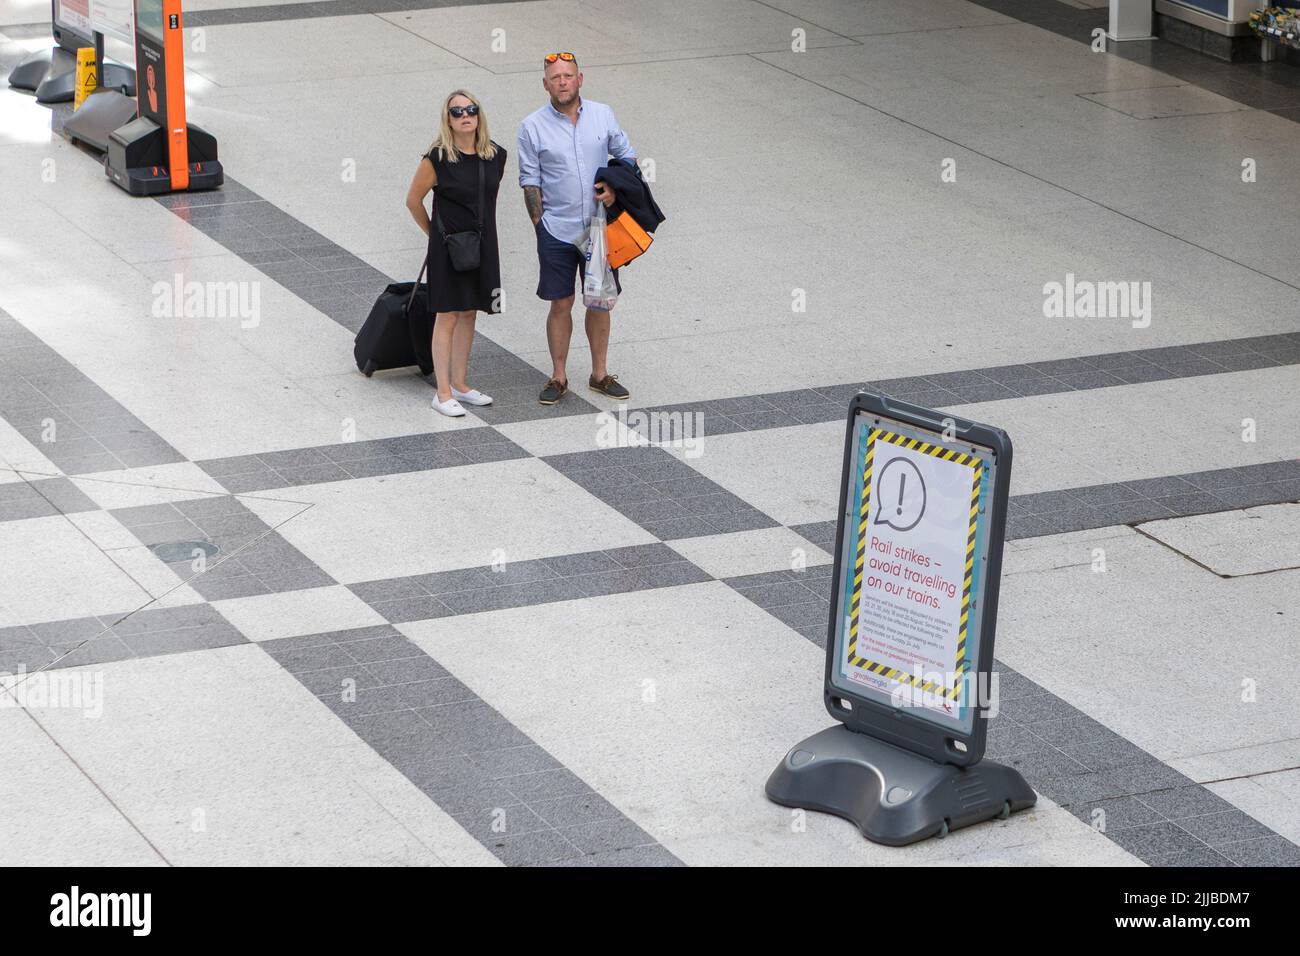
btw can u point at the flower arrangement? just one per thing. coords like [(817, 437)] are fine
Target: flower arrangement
[(1277, 21)]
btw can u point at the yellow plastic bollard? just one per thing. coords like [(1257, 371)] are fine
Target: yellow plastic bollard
[(87, 81)]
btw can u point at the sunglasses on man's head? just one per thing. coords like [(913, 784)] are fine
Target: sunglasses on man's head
[(552, 57), (459, 111)]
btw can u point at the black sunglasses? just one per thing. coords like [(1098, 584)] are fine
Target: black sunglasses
[(459, 111)]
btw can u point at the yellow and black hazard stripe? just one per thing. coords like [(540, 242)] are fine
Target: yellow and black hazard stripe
[(944, 454), (967, 573), (925, 448), (860, 558)]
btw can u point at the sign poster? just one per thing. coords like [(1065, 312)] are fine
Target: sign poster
[(75, 15), (911, 569), (151, 78), (113, 18)]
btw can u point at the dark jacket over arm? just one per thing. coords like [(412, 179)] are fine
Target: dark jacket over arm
[(631, 193)]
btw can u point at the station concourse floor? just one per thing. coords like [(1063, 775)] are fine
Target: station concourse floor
[(558, 648)]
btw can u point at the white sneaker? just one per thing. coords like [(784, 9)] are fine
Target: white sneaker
[(472, 397), (451, 408)]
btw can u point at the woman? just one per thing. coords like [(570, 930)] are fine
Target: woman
[(451, 169)]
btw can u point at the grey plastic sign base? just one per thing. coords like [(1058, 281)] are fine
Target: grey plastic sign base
[(38, 67), (62, 87), (893, 796), (100, 114)]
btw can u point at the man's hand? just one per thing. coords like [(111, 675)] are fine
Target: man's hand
[(604, 193)]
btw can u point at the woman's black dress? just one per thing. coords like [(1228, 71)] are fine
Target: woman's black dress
[(456, 198)]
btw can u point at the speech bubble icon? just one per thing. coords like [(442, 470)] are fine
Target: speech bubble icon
[(900, 495)]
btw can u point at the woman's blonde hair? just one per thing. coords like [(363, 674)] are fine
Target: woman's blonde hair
[(445, 143)]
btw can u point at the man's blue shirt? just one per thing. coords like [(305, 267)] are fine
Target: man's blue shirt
[(561, 157)]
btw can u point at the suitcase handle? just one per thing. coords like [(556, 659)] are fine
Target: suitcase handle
[(416, 288)]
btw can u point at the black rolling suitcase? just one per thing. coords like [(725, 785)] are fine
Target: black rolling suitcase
[(398, 331)]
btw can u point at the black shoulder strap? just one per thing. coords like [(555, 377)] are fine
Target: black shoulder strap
[(481, 203), (437, 217)]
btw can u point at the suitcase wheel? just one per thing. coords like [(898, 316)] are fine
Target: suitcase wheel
[(369, 369)]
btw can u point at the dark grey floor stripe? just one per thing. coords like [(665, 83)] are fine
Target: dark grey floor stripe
[(1059, 18), (244, 557), (344, 287), (42, 498), (1132, 502), (971, 386), (1156, 813), (660, 493), (325, 8), (798, 599), (510, 794), (117, 637), (524, 583), (820, 533), (361, 459), (71, 420), (1274, 87)]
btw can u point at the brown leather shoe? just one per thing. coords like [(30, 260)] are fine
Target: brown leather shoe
[(553, 392), (608, 386)]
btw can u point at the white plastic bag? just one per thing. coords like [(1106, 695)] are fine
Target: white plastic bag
[(599, 290)]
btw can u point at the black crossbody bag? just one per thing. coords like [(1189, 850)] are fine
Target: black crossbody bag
[(463, 247)]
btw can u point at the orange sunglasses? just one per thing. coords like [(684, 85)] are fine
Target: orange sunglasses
[(552, 57)]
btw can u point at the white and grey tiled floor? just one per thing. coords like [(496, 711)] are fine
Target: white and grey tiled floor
[(333, 628)]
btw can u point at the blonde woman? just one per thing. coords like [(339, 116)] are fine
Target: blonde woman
[(463, 169)]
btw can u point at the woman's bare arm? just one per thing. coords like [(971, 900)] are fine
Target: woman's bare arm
[(422, 183)]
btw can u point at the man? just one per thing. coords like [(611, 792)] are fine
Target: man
[(561, 146)]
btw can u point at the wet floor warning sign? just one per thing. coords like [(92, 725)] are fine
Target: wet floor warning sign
[(87, 76)]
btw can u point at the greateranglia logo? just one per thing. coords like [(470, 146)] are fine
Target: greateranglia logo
[(102, 909)]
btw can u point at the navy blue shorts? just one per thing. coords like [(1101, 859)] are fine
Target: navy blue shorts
[(558, 262)]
